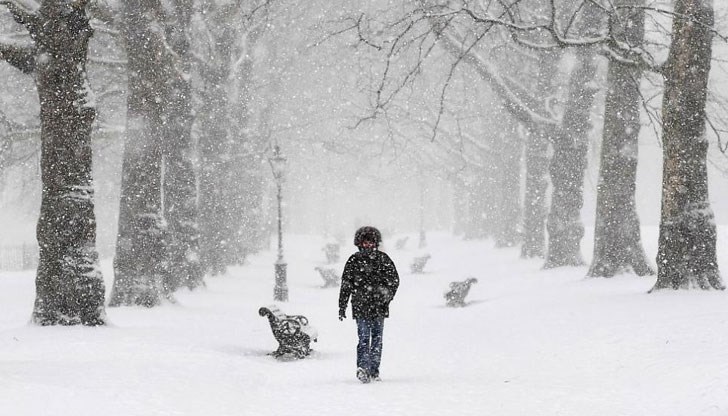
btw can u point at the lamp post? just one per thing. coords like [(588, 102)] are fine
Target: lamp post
[(278, 166), (423, 237)]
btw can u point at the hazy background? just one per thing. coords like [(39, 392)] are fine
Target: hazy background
[(339, 177)]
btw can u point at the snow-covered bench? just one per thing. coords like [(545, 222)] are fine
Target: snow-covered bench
[(332, 252), (331, 278), (458, 290), (293, 333), (418, 264)]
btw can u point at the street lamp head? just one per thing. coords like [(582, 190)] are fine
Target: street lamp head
[(277, 164)]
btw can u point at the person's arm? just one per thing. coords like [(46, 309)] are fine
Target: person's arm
[(345, 290), (392, 277)]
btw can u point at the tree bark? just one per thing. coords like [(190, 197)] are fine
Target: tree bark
[(686, 256), (534, 198), (564, 226), (460, 206), (570, 144), (509, 184), (213, 237), (69, 284), (140, 269), (617, 240), (180, 182), (243, 182), (214, 147), (537, 160), (482, 195), (231, 182)]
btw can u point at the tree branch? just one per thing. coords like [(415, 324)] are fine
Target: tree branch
[(515, 102), (21, 57), (21, 14), (104, 12)]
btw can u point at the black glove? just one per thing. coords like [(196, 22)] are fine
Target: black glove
[(342, 314)]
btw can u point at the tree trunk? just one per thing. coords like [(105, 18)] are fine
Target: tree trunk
[(617, 241), (460, 206), (481, 203), (686, 256), (537, 160), (565, 229), (564, 226), (180, 183), (140, 270), (231, 184), (244, 183), (487, 196), (213, 237), (509, 185), (214, 147), (69, 284), (245, 202), (534, 198)]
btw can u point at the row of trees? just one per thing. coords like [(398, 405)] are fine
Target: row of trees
[(193, 144), (538, 61), (189, 82)]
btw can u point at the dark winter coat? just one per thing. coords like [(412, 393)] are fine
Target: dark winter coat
[(371, 280)]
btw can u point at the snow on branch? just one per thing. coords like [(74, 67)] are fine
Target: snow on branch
[(515, 102), (108, 62), (406, 32), (675, 15), (511, 25), (441, 153), (78, 193), (259, 8), (350, 24), (716, 119), (388, 87), (625, 54), (104, 12), (561, 38)]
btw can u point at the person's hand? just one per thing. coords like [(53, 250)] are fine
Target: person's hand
[(342, 315)]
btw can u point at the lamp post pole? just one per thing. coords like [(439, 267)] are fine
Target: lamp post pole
[(423, 237), (280, 291)]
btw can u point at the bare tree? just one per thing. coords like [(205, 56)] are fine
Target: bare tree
[(140, 268), (69, 284), (180, 181), (158, 240), (686, 256), (544, 28), (230, 184), (617, 241), (214, 119), (537, 160), (508, 161)]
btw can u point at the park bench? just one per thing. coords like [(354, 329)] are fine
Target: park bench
[(293, 333), (455, 297), (418, 264), (331, 250), (330, 276), (399, 244)]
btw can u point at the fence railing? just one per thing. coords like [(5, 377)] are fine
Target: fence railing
[(18, 257)]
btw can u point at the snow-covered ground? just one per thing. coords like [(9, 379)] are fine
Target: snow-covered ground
[(530, 342)]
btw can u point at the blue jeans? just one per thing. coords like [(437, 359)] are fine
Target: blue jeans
[(369, 349)]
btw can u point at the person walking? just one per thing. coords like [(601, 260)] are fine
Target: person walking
[(370, 279)]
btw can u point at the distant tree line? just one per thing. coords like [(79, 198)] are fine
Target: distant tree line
[(191, 186), (527, 72), (537, 65)]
